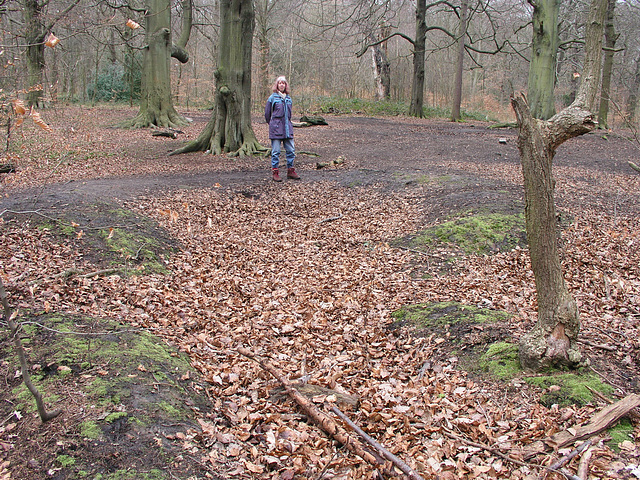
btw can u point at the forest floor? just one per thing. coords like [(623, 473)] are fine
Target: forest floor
[(109, 245)]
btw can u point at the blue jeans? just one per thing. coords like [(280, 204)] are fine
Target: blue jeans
[(289, 148)]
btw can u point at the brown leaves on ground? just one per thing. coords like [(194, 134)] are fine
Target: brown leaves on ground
[(261, 268)]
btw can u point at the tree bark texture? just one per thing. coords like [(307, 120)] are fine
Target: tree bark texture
[(417, 86), (553, 340), (457, 86), (156, 104), (610, 38), (544, 57), (229, 130), (634, 91)]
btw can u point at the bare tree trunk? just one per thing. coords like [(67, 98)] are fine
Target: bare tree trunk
[(634, 91), (553, 340), (262, 17), (34, 36), (417, 86), (229, 130), (544, 56), (610, 38), (457, 92), (156, 104), (381, 67), (35, 33)]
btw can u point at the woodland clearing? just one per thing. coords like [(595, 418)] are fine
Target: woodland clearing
[(105, 235)]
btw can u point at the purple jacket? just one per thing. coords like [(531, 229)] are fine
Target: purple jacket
[(277, 114)]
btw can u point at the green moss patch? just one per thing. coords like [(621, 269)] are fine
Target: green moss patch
[(115, 237), (569, 388), (501, 360), (137, 392), (481, 233), (439, 315), (620, 432)]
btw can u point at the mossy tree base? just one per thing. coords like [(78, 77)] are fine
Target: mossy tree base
[(147, 117)]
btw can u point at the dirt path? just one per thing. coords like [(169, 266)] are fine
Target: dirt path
[(471, 162)]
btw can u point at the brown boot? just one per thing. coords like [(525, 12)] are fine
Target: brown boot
[(291, 173), (276, 175)]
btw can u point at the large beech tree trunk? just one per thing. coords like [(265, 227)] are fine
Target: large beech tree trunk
[(229, 130), (552, 342), (156, 104)]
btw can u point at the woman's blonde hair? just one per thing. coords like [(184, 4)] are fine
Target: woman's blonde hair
[(286, 84)]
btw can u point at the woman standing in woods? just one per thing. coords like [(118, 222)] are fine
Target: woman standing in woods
[(277, 113)]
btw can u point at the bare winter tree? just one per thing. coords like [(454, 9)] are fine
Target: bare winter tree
[(610, 38), (553, 340), (37, 27)]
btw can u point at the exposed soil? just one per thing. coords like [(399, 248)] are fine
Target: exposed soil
[(444, 168)]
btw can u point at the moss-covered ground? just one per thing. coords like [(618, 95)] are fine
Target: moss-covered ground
[(139, 391)]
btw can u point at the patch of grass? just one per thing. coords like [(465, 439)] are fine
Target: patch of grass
[(567, 389), (112, 417), (172, 411), (360, 106), (25, 401), (501, 360), (130, 474), (476, 234)]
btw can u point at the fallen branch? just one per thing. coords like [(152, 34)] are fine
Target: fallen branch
[(567, 458), (487, 448), (601, 421), (609, 348), (320, 418), (583, 466), (164, 133), (330, 219), (404, 468)]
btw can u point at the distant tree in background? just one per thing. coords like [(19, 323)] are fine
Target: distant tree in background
[(37, 26), (156, 103)]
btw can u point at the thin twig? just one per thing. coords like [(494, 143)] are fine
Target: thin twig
[(564, 460), (609, 348)]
